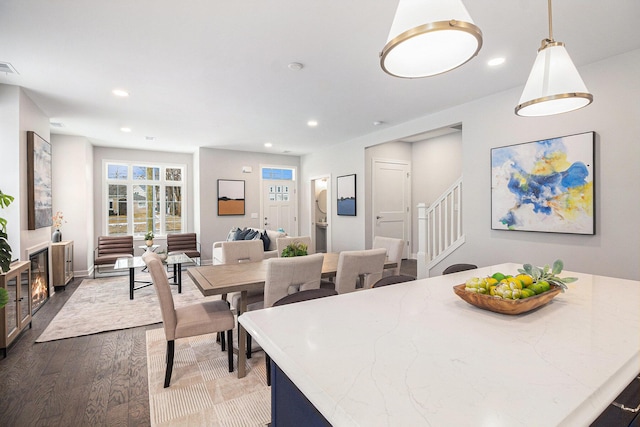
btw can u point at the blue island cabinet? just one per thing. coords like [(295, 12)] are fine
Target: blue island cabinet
[(289, 407)]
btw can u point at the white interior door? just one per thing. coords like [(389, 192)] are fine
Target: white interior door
[(392, 200), (279, 205)]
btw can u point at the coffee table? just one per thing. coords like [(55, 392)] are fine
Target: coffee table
[(136, 262)]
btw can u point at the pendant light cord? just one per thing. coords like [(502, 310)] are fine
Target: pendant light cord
[(550, 24)]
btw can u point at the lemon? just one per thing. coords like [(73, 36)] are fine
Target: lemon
[(491, 281), (525, 279), (498, 276)]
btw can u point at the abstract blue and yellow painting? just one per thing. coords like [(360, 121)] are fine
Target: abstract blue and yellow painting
[(544, 185)]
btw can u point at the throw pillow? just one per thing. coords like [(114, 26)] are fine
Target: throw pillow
[(251, 234), (265, 240), (232, 234), (240, 234)]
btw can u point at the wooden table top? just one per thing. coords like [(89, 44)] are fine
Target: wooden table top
[(247, 276)]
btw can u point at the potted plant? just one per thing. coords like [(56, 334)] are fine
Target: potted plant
[(294, 249), (5, 249), (148, 238)]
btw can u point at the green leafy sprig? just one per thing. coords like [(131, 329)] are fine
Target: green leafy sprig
[(548, 274), (294, 249)]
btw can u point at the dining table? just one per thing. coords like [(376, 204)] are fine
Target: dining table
[(416, 353), (244, 277)]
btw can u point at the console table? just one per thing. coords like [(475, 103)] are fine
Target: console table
[(62, 263)]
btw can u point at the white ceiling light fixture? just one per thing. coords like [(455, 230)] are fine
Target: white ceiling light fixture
[(120, 93), (125, 129), (268, 144), (429, 38), (554, 85), (494, 62), (312, 123)]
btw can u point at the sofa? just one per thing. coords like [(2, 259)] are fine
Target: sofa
[(269, 238)]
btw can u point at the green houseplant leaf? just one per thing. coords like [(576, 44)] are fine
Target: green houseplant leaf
[(5, 249), (294, 249)]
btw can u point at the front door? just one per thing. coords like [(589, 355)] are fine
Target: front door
[(279, 199), (392, 200)]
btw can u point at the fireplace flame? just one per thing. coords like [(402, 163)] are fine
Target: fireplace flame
[(39, 289)]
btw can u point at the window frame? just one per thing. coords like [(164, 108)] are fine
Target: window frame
[(130, 183)]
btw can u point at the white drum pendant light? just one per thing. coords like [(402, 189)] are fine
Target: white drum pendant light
[(429, 37), (554, 85)]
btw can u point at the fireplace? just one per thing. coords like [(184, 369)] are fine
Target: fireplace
[(39, 278)]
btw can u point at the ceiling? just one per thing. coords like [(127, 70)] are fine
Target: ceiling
[(205, 73)]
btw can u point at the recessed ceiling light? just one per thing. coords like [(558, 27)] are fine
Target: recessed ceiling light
[(150, 138), (56, 124), (378, 123), (121, 93), (295, 66), (268, 144), (125, 129), (495, 62), (312, 123)]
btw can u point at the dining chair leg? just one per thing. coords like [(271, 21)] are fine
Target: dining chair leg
[(229, 347), (222, 340), (170, 352), (248, 346)]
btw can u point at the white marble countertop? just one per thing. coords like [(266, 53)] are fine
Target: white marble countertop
[(417, 354)]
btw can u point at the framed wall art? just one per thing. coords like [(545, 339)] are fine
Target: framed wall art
[(39, 202), (545, 186), (230, 197), (346, 189)]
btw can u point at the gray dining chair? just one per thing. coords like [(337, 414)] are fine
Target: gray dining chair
[(395, 248), (192, 320), (359, 266)]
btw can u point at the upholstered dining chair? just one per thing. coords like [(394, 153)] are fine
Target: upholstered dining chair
[(184, 243), (455, 268), (236, 251), (392, 280), (287, 276), (196, 319), (395, 248), (355, 264), (283, 242), (304, 295)]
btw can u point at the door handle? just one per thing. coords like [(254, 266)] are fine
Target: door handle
[(379, 217)]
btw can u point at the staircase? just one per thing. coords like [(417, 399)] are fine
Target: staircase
[(439, 228)]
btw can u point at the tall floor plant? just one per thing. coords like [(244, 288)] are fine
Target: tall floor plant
[(5, 249)]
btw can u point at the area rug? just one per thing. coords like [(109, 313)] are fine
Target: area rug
[(203, 392), (103, 304)]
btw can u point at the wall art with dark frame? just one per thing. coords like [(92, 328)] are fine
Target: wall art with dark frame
[(39, 202), (546, 185), (230, 197), (346, 189)]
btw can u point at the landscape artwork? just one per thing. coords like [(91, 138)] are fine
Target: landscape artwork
[(545, 186), (230, 197), (39, 203), (347, 195)]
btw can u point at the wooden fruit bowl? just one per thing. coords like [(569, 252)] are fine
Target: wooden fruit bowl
[(506, 306)]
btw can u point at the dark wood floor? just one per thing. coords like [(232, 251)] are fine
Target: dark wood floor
[(96, 380)]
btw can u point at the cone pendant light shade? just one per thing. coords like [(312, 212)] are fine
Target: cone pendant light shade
[(554, 85), (429, 37)]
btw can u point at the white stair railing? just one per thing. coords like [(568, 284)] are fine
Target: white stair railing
[(439, 228)]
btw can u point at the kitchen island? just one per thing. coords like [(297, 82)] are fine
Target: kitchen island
[(417, 354)]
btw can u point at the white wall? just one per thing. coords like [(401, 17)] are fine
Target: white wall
[(10, 157), (72, 176), (491, 122), (217, 164), (31, 119)]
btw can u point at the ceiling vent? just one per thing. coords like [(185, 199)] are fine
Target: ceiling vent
[(7, 68), (56, 124)]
